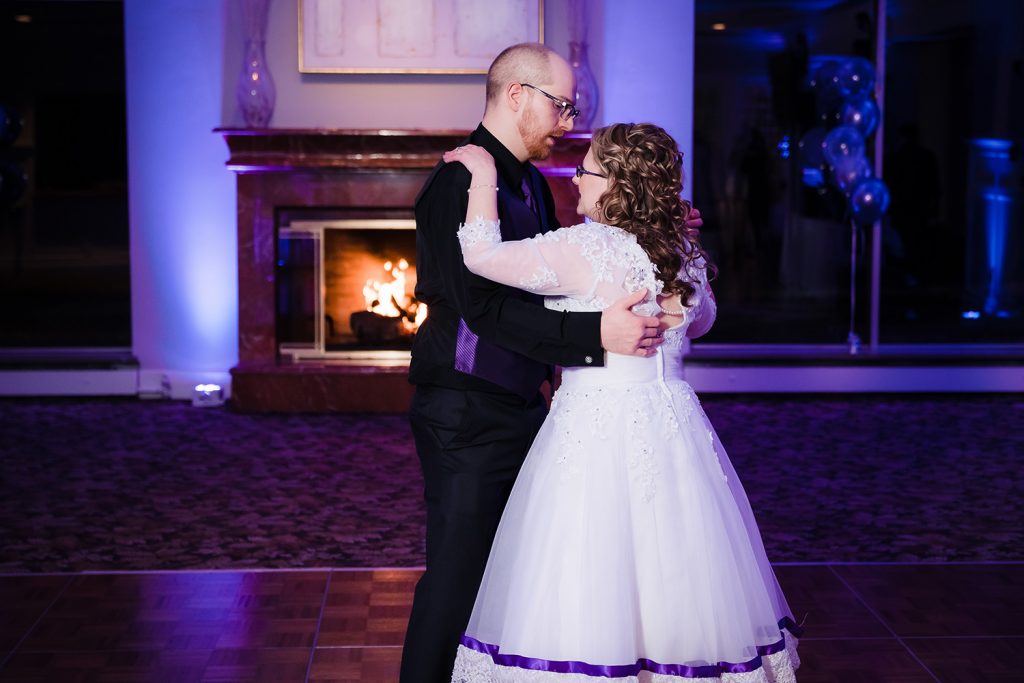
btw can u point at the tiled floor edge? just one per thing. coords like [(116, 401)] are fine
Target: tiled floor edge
[(237, 570), (319, 622), (28, 632), (876, 615)]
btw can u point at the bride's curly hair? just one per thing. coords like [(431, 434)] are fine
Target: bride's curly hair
[(645, 172)]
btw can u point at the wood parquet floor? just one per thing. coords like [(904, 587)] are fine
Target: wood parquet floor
[(865, 623)]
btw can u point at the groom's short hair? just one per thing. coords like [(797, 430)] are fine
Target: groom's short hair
[(522, 63)]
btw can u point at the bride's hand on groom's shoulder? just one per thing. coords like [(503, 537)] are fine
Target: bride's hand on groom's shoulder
[(477, 161)]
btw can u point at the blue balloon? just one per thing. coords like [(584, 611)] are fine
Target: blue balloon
[(827, 89), (860, 113), (828, 111), (813, 177), (849, 172), (856, 77), (842, 143), (825, 80), (811, 153), (869, 200), (10, 124)]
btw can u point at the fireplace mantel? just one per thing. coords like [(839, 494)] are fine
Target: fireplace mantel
[(356, 172), (280, 149)]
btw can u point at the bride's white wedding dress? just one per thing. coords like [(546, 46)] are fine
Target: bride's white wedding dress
[(628, 550)]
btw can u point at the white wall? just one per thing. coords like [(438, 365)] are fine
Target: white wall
[(184, 280), (648, 67)]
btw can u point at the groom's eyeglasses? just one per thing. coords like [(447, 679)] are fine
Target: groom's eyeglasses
[(566, 110), (580, 172)]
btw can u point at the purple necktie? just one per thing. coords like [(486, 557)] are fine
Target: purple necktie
[(528, 196)]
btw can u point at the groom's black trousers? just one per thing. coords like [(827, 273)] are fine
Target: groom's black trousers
[(471, 445)]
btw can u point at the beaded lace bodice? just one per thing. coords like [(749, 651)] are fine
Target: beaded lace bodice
[(585, 267)]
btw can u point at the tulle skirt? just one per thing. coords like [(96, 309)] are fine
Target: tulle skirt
[(628, 551)]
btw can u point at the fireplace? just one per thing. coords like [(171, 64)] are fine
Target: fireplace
[(327, 262), (344, 288)]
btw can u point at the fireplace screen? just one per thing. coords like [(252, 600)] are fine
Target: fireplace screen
[(345, 289)]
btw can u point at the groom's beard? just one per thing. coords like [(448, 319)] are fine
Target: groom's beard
[(535, 137)]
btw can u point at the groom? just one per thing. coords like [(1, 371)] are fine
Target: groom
[(484, 350)]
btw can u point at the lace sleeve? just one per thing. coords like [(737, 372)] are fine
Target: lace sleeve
[(547, 264), (479, 230)]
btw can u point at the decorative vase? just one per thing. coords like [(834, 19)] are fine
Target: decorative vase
[(586, 85), (255, 92)]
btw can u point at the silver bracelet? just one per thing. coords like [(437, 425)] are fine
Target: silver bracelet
[(480, 187)]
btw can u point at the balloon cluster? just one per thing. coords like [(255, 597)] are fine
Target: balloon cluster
[(12, 177), (848, 115)]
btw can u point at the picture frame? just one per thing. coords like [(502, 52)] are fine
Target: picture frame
[(412, 36)]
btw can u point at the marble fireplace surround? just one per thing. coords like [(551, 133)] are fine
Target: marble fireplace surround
[(347, 174)]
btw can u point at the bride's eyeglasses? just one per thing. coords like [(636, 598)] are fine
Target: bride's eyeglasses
[(566, 110), (580, 172)]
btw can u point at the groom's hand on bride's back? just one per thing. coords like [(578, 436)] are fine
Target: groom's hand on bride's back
[(693, 218), (627, 333)]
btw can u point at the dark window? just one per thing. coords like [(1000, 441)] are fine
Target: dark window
[(64, 272)]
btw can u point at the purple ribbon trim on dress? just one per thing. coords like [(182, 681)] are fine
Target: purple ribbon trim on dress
[(623, 670), (791, 626)]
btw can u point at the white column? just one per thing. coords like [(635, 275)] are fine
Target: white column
[(184, 279), (648, 68)]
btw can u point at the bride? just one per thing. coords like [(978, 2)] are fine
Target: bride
[(627, 550)]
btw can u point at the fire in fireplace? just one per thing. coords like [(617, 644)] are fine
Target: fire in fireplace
[(391, 313)]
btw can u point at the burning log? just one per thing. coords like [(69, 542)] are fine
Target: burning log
[(391, 313), (374, 328)]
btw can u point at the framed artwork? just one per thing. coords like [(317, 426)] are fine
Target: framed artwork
[(412, 36)]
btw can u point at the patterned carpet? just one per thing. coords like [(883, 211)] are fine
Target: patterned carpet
[(120, 484)]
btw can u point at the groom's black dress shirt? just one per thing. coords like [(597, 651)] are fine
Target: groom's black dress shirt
[(513, 320)]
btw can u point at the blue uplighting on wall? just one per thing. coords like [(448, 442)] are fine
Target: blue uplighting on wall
[(182, 200)]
